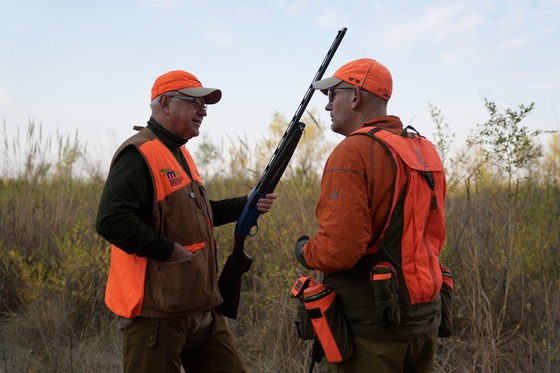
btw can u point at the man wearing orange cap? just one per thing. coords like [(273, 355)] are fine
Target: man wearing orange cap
[(155, 212), (381, 226)]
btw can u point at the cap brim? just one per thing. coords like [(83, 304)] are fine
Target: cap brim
[(326, 83), (210, 95)]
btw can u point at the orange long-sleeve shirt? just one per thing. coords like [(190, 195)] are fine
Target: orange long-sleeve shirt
[(356, 191)]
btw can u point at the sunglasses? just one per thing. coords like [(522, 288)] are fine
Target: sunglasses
[(198, 104), (330, 92)]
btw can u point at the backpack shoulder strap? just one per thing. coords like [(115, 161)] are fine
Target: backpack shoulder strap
[(396, 185)]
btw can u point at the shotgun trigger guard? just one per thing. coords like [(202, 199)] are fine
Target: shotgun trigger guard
[(254, 230)]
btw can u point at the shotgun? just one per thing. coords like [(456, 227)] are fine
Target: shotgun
[(239, 262)]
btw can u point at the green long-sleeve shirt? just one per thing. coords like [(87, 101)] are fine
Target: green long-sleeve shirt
[(127, 202)]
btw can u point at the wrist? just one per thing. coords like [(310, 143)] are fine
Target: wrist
[(299, 251)]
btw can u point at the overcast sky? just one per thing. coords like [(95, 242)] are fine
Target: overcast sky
[(90, 65)]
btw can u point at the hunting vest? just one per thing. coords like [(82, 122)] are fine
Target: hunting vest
[(181, 212), (409, 243)]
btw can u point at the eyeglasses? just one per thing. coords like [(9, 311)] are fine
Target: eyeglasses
[(330, 92), (198, 104)]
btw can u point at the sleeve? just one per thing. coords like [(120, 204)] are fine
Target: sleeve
[(227, 210), (126, 205), (343, 211)]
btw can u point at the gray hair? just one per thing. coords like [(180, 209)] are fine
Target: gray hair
[(156, 100)]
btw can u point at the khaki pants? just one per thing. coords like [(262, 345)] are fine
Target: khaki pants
[(198, 343), (410, 356)]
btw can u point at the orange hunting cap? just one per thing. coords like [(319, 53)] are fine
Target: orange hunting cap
[(187, 83), (364, 73)]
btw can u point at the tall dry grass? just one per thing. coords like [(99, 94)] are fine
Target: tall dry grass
[(503, 243)]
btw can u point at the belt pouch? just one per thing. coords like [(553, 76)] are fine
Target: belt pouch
[(328, 321), (304, 326)]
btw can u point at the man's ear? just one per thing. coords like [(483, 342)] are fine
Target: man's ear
[(164, 103), (356, 97)]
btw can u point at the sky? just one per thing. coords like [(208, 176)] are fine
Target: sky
[(88, 66)]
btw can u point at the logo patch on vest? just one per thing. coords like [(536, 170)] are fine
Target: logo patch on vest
[(173, 176)]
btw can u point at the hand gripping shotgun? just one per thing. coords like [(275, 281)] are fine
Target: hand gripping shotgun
[(239, 261)]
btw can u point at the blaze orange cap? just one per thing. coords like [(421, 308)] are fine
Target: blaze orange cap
[(364, 73), (187, 83)]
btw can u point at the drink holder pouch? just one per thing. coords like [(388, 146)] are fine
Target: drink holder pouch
[(446, 326), (304, 326), (327, 319), (385, 291)]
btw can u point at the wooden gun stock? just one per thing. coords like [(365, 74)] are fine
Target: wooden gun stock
[(237, 263)]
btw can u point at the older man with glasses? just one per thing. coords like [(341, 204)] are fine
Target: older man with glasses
[(156, 214)]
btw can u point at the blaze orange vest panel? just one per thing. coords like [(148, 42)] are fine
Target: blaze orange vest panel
[(124, 293)]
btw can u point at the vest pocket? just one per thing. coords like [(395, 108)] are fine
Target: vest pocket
[(182, 285), (384, 282)]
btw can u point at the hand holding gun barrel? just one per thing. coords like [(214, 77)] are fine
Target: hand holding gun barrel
[(239, 261)]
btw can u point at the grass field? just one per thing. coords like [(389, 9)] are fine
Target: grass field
[(503, 247)]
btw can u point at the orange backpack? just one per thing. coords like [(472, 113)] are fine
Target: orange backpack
[(414, 234)]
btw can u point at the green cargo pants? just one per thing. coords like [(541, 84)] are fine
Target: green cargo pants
[(410, 356)]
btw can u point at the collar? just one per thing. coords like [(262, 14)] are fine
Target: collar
[(388, 121), (169, 139)]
